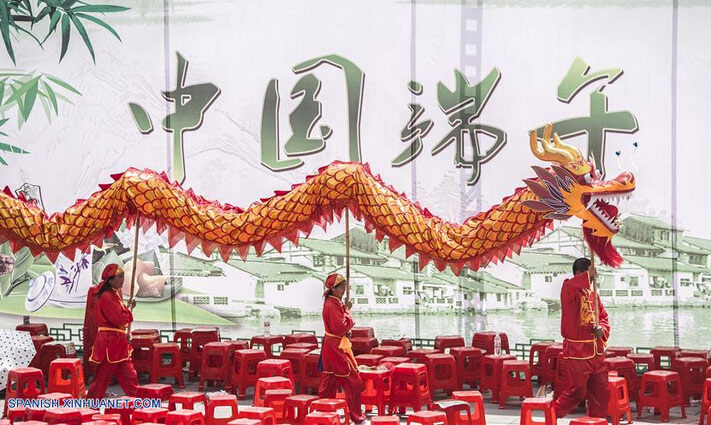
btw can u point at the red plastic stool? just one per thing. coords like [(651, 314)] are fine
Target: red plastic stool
[(410, 387), (385, 420), (63, 416), (303, 346), (200, 337), (376, 390), (296, 407), (491, 374), (560, 382), (183, 338), (389, 351), (38, 341), (37, 414), (420, 355), (27, 382), (237, 344), (272, 383), (587, 420), (661, 389), (619, 402), (322, 418), (362, 332), (442, 369), (443, 343), (405, 343), (187, 401), (33, 328), (275, 367), (48, 353), (276, 399), (184, 417), (219, 401), (267, 343), (643, 362), (458, 412), (87, 414), (332, 405), (216, 365), (297, 358), (368, 359), (515, 381), (550, 363), (244, 370), (427, 417), (485, 341), (536, 359), (265, 415), (362, 345), (67, 376), (625, 368), (394, 361), (153, 332), (167, 363), (691, 375), (702, 354), (618, 351), (660, 353), (113, 418), (476, 405), (245, 421), (299, 338), (312, 376), (531, 405), (125, 409), (161, 391), (16, 414), (705, 401), (151, 415), (468, 365), (143, 352), (708, 372)]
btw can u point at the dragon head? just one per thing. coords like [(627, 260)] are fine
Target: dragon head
[(573, 187)]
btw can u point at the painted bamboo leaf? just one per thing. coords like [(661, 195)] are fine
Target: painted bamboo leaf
[(141, 117), (65, 36)]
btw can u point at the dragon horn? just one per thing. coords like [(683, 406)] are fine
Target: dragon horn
[(552, 151)]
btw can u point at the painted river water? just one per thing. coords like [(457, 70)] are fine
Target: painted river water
[(636, 327)]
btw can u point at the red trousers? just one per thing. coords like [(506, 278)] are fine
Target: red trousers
[(103, 372), (587, 379), (352, 387)]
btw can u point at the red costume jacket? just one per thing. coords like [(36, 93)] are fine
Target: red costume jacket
[(112, 318), (577, 320), (337, 322)]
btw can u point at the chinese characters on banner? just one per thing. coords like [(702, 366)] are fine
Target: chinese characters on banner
[(462, 106)]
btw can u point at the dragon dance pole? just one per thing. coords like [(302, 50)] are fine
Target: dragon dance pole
[(596, 313), (135, 260), (348, 256)]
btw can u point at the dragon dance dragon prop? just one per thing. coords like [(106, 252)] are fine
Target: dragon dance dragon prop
[(570, 187)]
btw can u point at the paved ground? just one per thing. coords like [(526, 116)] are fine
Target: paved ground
[(511, 415), (494, 415)]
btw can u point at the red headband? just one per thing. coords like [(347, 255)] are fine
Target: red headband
[(110, 271)]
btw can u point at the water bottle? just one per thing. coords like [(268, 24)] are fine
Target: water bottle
[(267, 328), (497, 345)]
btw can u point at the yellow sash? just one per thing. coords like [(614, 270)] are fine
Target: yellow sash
[(346, 346), (104, 329)]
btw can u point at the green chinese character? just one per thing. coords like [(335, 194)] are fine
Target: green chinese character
[(600, 121), (304, 117), (463, 106), (413, 131), (191, 102)]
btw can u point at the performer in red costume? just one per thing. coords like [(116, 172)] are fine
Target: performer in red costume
[(339, 365), (583, 344), (111, 352), (90, 327)]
